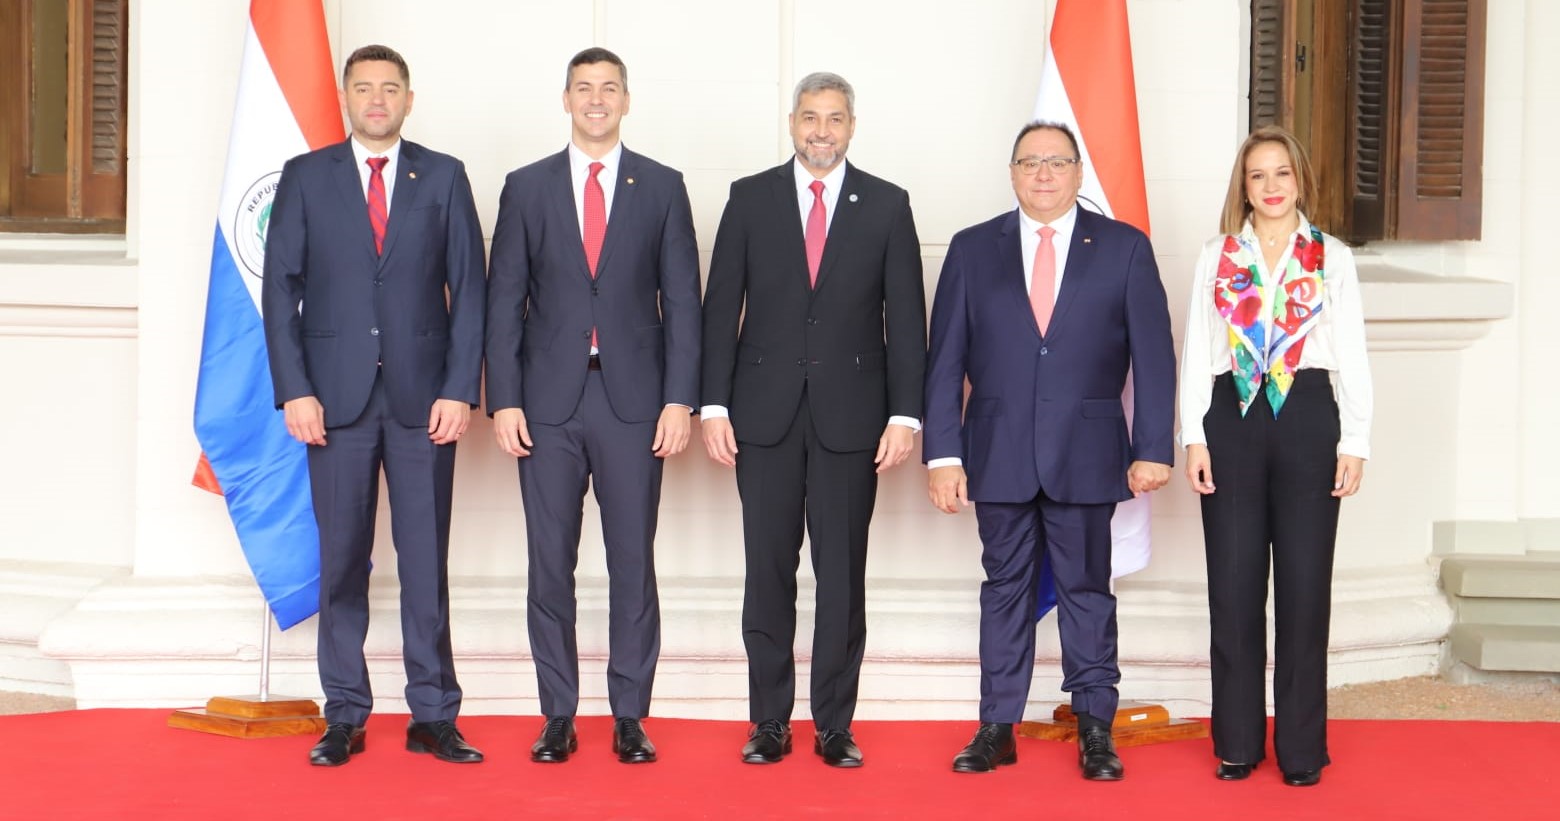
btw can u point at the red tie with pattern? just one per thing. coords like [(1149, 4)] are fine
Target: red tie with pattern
[(595, 225), (817, 232), (378, 209), (1042, 288)]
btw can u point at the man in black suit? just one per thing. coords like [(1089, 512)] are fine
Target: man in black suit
[(377, 238), (822, 389), (592, 372)]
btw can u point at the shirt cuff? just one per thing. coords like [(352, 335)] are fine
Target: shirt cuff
[(689, 408), (910, 422), (945, 462), (714, 412)]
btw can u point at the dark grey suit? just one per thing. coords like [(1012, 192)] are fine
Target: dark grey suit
[(379, 337), (593, 426)]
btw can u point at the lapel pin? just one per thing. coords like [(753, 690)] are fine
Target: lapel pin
[(411, 175), (630, 180), (853, 197)]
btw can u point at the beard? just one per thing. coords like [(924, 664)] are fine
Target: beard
[(822, 159)]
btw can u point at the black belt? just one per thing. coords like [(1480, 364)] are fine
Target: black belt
[(595, 362)]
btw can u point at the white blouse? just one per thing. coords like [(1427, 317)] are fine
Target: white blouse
[(1335, 344)]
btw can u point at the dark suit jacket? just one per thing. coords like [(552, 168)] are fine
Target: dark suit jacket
[(360, 309), (857, 342), (1046, 412), (644, 301)]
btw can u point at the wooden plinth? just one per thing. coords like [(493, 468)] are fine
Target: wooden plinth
[(1136, 724), (252, 717)]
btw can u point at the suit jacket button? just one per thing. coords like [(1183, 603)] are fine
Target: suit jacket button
[(802, 362), (379, 282), (373, 332), (812, 320)]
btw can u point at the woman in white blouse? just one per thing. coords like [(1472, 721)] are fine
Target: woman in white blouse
[(1275, 416)]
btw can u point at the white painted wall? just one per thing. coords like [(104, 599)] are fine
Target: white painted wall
[(99, 451)]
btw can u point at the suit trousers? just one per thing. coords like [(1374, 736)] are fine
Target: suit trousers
[(596, 448), (1273, 503), (1076, 540), (344, 479), (794, 482)]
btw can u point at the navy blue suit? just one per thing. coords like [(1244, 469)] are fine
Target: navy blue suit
[(377, 339), (593, 426), (1044, 438)]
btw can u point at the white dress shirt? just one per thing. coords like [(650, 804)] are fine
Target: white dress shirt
[(393, 154), (1029, 242), (804, 203), (1335, 344), (579, 172)]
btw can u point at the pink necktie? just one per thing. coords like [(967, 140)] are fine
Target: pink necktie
[(1042, 286), (378, 210), (817, 232), (595, 225)]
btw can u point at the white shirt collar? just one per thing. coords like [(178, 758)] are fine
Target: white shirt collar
[(361, 152), (804, 178), (1063, 225), (579, 161)]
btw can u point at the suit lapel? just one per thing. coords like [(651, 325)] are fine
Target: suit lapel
[(354, 203), (1011, 270), (790, 227), (847, 208), (404, 197), (1080, 258), (622, 203), (564, 211)]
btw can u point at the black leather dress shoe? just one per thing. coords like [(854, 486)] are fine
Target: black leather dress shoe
[(1097, 754), (630, 742), (556, 741), (769, 742), (1303, 778), (1234, 772), (443, 740), (991, 748), (337, 746), (838, 749)]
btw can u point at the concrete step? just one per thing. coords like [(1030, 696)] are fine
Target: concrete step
[(1533, 576), (1507, 647), (1515, 612)]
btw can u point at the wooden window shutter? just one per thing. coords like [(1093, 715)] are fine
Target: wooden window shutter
[(102, 130), (1270, 39), (1372, 128), (1440, 171)]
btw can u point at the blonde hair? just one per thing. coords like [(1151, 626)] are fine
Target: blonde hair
[(1236, 208)]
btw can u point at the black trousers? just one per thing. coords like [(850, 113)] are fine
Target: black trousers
[(783, 486), (1272, 508)]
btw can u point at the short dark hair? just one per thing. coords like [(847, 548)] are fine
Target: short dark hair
[(591, 56), (376, 53), (1036, 125)]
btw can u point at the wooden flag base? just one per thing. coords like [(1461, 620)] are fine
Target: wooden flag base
[(252, 717), (1135, 724)]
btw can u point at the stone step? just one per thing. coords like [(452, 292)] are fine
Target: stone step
[(1533, 576), (1516, 612), (1507, 647)]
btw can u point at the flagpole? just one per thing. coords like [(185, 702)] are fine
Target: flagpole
[(265, 651)]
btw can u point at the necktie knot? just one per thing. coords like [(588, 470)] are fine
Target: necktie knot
[(378, 163), (817, 189), (1046, 232), (595, 168)]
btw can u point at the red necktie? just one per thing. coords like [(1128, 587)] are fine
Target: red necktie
[(378, 209), (1042, 287), (595, 225), (817, 232)]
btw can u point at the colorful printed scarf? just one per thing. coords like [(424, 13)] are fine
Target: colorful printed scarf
[(1297, 304)]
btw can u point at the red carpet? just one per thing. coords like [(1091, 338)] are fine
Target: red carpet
[(125, 764)]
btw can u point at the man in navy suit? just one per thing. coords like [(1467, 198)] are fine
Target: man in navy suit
[(1043, 310), (378, 239), (815, 345), (592, 374)]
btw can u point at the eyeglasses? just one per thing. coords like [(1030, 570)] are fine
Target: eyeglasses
[(1058, 165)]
